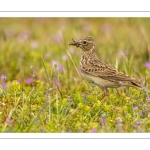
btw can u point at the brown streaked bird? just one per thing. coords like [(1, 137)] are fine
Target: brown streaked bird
[(100, 73)]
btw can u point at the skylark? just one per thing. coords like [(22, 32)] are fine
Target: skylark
[(100, 73)]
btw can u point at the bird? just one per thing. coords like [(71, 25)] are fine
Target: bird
[(99, 73)]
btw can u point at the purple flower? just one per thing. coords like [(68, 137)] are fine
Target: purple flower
[(86, 27), (54, 63), (55, 82), (135, 108), (22, 37), (2, 76), (138, 123), (60, 68), (9, 32), (94, 130), (103, 122), (64, 57), (106, 28), (83, 95), (79, 71), (34, 44), (71, 50), (19, 81), (147, 64), (8, 120), (58, 37), (47, 55), (123, 53), (126, 52), (148, 98), (3, 84), (29, 80)]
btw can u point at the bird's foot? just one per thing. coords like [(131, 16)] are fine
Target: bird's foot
[(104, 97), (120, 91)]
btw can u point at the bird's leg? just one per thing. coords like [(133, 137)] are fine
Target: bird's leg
[(120, 91), (106, 93)]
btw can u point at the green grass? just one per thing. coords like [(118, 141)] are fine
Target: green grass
[(43, 90)]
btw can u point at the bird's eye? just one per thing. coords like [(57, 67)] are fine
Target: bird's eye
[(84, 42)]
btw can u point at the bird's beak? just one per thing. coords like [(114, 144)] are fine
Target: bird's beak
[(75, 43)]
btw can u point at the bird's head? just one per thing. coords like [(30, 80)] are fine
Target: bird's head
[(86, 44)]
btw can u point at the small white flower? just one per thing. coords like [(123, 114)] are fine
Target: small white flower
[(31, 67), (64, 57), (3, 104), (119, 120)]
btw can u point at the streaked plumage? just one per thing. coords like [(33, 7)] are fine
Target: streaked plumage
[(100, 73)]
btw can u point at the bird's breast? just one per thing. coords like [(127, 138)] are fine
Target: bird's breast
[(99, 81)]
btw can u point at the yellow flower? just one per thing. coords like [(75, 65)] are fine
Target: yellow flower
[(127, 98), (128, 116), (148, 122), (15, 85), (94, 92), (90, 97), (112, 96), (107, 107), (94, 125), (78, 124), (39, 83), (134, 91), (64, 101), (120, 110), (70, 117), (56, 104), (97, 104), (25, 108), (84, 125), (34, 107), (80, 105), (81, 118), (87, 108), (123, 95), (72, 111), (148, 125), (125, 108)]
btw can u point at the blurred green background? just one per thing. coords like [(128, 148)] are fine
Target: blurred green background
[(24, 40)]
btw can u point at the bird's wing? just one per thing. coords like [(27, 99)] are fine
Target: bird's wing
[(105, 71)]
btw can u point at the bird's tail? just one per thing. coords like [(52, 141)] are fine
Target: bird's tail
[(138, 84)]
